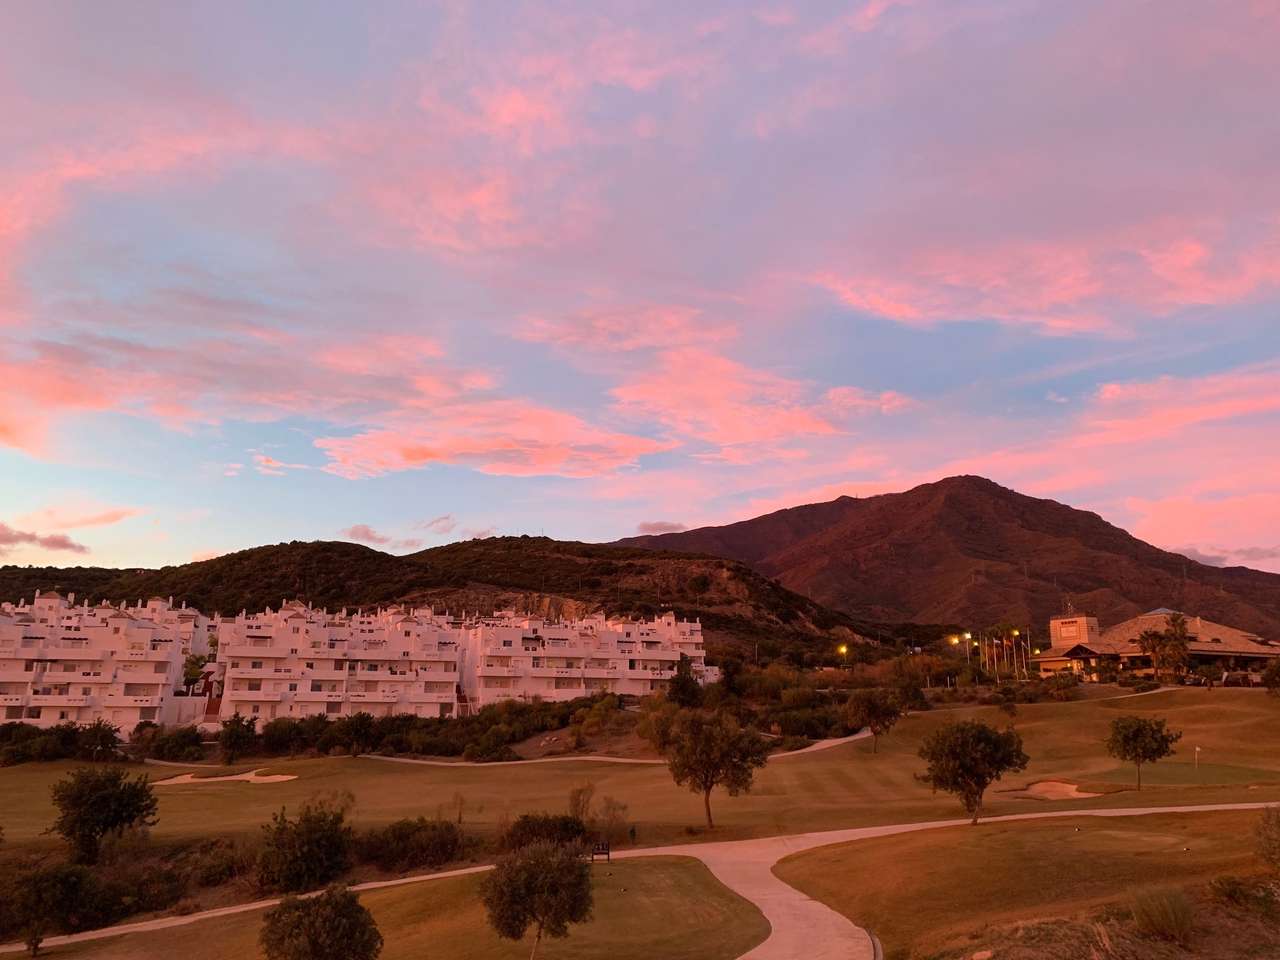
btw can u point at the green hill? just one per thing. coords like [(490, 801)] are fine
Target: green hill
[(740, 609)]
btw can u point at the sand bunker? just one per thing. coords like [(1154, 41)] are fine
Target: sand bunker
[(1053, 790), (253, 776)]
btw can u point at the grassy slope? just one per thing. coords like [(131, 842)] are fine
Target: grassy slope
[(667, 907), (844, 786), (936, 891)]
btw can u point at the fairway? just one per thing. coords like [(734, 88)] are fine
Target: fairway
[(664, 907), (845, 786), (938, 890)]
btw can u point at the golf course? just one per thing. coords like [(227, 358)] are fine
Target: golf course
[(971, 878)]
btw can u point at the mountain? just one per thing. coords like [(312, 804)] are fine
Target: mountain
[(968, 551), (740, 609)]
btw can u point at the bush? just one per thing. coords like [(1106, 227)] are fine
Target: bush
[(215, 862), (306, 853), (332, 926), (94, 803), (1268, 834), (1145, 686), (529, 828), (409, 844), (179, 745), (1164, 915)]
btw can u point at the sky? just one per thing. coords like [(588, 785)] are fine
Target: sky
[(405, 273)]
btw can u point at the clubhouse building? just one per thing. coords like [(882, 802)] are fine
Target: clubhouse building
[(60, 662), (1079, 646)]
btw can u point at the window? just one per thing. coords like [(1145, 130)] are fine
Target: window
[(255, 665), (293, 687), (255, 685)]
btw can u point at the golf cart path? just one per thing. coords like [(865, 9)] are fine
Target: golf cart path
[(799, 925), (601, 758)]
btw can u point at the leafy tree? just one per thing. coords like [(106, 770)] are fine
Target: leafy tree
[(45, 900), (546, 886), (876, 710), (1140, 740), (1169, 648), (334, 925), (99, 740), (557, 828), (305, 853), (684, 690), (193, 669), (966, 757), (709, 751), (237, 736), (93, 803), (1271, 678)]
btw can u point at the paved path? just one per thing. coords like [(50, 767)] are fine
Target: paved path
[(602, 758), (800, 926)]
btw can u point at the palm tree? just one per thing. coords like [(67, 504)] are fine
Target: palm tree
[(1152, 643), (1176, 644)]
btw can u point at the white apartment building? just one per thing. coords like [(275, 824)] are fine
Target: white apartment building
[(508, 656), (60, 662), (299, 660)]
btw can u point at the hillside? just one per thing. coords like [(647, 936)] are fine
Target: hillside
[(738, 607), (966, 550)]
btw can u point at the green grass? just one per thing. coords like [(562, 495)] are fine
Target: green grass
[(843, 787), (937, 890), (666, 907)]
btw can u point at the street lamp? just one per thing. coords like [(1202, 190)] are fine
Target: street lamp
[(843, 650)]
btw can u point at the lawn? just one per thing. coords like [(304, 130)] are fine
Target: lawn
[(935, 891), (842, 787), (664, 907)]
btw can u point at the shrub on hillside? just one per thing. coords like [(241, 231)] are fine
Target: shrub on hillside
[(305, 853), (26, 743), (1268, 834), (177, 745), (409, 844), (331, 926), (1164, 915), (529, 828)]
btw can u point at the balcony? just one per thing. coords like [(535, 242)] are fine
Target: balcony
[(254, 650), (419, 697), (254, 695), (19, 676), (151, 653), (323, 674), (500, 671), (268, 673), (320, 696), (127, 700), (12, 699), (374, 696), (58, 700)]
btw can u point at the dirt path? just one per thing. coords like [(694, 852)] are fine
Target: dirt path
[(800, 926)]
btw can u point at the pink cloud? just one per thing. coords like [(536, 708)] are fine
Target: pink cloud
[(74, 516), (653, 527), (271, 467), (442, 525), (364, 533), (511, 437), (622, 329), (10, 538), (711, 398)]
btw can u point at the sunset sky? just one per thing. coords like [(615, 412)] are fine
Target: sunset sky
[(407, 273)]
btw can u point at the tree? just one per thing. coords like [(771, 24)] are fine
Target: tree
[(193, 670), (546, 886), (93, 803), (334, 925), (1168, 648), (966, 757), (237, 736), (684, 689), (876, 710), (1151, 643), (47, 899), (709, 751), (305, 853), (1271, 678), (1140, 740), (99, 740)]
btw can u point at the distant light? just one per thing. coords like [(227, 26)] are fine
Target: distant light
[(954, 640), (1036, 651), (1017, 633), (968, 636), (842, 649)]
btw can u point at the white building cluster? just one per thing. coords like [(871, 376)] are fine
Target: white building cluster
[(60, 662)]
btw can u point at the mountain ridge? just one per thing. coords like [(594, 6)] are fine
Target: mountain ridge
[(967, 550)]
